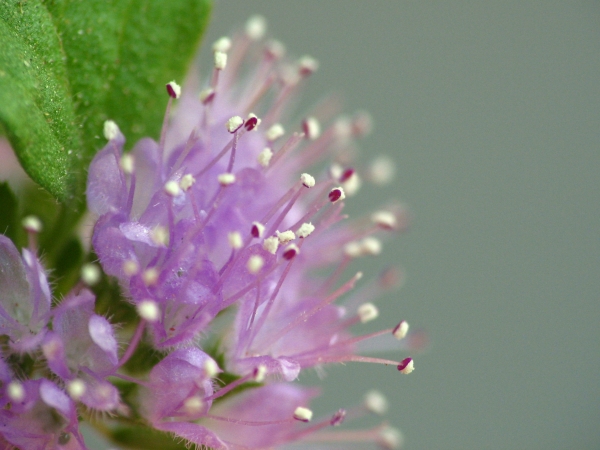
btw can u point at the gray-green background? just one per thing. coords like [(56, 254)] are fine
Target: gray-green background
[(491, 112)]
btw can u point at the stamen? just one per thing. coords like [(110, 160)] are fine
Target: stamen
[(401, 330), (256, 26), (338, 418), (305, 230), (275, 49), (173, 89), (211, 369), (111, 130), (220, 60), (131, 268), (308, 180), (303, 414), (406, 366), (257, 229), (207, 95), (336, 194), (193, 405), (127, 163), (290, 252), (76, 388), (285, 237), (235, 240), (311, 128), (172, 188), (90, 274), (252, 122), (186, 182), (390, 438), (260, 373), (160, 236), (375, 402), (367, 312), (32, 224), (226, 179), (150, 276), (274, 132), (307, 65), (384, 219), (15, 391), (234, 124), (148, 310), (382, 170), (264, 157), (271, 244), (222, 44)]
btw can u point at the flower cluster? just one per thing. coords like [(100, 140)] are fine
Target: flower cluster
[(218, 236)]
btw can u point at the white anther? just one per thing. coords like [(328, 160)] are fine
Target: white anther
[(211, 369), (367, 312), (342, 128), (15, 391), (305, 230), (32, 224), (260, 373), (376, 402), (172, 188), (90, 274), (173, 89), (353, 249), (160, 236), (307, 65), (206, 94), (352, 185), (264, 157), (226, 179), (384, 219), (390, 438), (186, 182), (111, 130), (307, 180), (358, 276), (382, 170), (222, 44), (303, 414), (271, 244), (193, 405), (371, 246), (406, 366), (255, 263), (234, 124), (285, 236), (257, 229), (276, 49), (235, 240), (76, 389), (127, 163), (256, 26), (220, 60), (150, 276), (274, 132), (336, 171), (311, 128), (148, 310), (401, 330), (131, 268)]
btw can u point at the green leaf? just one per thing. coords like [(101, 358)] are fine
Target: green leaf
[(67, 66), (36, 110), (120, 55), (9, 213)]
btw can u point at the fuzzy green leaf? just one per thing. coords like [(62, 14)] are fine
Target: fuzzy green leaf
[(36, 110), (68, 65), (120, 55)]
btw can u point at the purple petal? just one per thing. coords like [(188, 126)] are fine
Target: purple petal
[(103, 335), (106, 188), (193, 433)]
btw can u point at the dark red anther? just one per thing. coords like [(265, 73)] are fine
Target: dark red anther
[(404, 364), (338, 418), (290, 252), (171, 91), (251, 123), (346, 175), (335, 195)]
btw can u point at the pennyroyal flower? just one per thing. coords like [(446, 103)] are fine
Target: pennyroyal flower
[(219, 234)]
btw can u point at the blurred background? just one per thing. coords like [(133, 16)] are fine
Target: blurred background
[(490, 111)]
